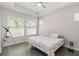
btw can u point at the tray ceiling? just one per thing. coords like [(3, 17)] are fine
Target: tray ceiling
[(32, 6)]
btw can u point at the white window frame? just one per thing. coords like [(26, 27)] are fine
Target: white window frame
[(37, 28), (25, 28), (23, 24)]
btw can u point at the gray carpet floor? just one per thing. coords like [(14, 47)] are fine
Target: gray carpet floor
[(24, 49)]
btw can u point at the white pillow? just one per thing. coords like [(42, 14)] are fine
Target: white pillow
[(46, 34), (54, 35)]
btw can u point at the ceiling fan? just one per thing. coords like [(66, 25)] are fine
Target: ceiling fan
[(37, 4), (41, 4)]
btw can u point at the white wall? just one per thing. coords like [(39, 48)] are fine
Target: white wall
[(62, 21), (0, 30), (6, 13)]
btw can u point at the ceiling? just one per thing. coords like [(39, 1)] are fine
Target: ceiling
[(32, 8), (33, 5)]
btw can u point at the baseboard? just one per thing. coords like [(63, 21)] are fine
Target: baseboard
[(14, 43), (76, 49), (0, 50)]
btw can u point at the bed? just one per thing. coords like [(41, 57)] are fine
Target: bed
[(46, 44)]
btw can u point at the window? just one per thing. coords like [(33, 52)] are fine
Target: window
[(31, 26), (76, 17), (16, 26), (40, 22)]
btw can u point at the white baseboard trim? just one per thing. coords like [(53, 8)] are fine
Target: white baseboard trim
[(0, 50), (5, 45), (76, 49)]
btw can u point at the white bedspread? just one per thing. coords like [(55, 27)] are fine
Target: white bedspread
[(46, 44)]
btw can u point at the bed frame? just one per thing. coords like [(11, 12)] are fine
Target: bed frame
[(50, 51)]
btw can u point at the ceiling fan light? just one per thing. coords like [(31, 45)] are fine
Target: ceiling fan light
[(39, 4)]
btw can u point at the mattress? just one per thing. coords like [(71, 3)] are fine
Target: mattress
[(46, 44)]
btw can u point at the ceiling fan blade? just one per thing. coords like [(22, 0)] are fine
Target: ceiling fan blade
[(43, 5)]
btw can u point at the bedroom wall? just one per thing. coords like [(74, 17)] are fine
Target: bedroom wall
[(5, 13), (62, 21), (0, 30)]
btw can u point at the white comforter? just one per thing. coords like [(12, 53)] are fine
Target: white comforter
[(46, 44)]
